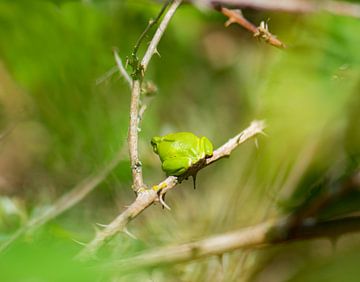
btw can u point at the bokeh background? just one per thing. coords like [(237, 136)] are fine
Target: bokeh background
[(62, 119)]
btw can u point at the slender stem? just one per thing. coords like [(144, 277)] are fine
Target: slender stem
[(106, 75), (159, 33), (149, 26), (136, 169), (121, 69)]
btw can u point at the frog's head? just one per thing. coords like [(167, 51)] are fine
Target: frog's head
[(155, 141)]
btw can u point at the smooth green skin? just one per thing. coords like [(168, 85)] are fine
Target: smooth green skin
[(179, 151)]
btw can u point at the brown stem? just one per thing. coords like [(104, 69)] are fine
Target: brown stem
[(341, 8), (260, 32)]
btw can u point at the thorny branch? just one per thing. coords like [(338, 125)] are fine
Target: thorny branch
[(147, 197), (267, 233), (147, 29), (340, 8), (261, 32), (136, 169), (73, 197)]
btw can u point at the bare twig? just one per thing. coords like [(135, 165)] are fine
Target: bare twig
[(121, 68), (267, 233), (136, 169), (133, 59), (149, 26), (68, 200), (106, 75), (340, 8), (146, 197), (261, 32), (159, 33)]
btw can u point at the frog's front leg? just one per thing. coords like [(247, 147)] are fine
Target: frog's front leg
[(176, 166), (206, 146)]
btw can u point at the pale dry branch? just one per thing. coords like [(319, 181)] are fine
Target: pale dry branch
[(106, 75), (68, 200), (121, 69), (146, 197), (267, 233), (340, 8), (136, 167), (133, 137)]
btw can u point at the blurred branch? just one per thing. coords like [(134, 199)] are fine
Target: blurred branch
[(67, 201), (261, 32), (147, 197), (340, 8), (139, 69), (267, 233), (106, 75), (121, 68), (7, 131), (333, 192)]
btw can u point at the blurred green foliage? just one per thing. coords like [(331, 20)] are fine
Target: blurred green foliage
[(212, 81)]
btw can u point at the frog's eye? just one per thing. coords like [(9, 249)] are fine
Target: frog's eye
[(154, 145)]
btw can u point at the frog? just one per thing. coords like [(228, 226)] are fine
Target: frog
[(180, 151)]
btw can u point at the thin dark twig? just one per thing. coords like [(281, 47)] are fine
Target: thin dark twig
[(149, 26)]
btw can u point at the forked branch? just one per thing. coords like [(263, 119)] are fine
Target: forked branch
[(147, 197), (139, 69)]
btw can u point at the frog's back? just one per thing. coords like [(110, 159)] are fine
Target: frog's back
[(179, 142), (187, 137)]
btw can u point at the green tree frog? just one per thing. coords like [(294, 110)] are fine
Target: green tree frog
[(180, 151)]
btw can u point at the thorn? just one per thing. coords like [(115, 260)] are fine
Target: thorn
[(78, 242), (229, 22), (256, 143), (127, 232), (239, 12), (157, 52), (101, 225), (263, 133), (161, 199)]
